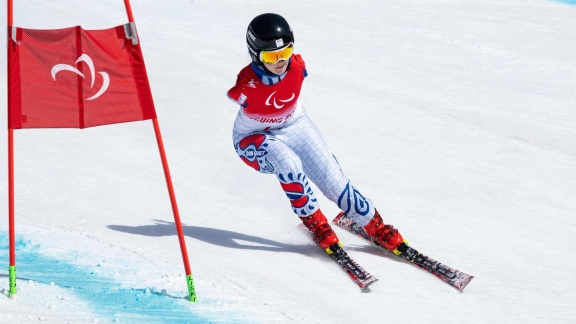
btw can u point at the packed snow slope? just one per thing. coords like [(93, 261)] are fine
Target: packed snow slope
[(457, 118)]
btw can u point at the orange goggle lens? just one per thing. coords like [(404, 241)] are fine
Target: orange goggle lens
[(273, 57)]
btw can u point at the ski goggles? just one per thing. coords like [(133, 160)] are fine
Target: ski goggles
[(275, 56)]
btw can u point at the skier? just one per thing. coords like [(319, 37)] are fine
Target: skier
[(273, 134)]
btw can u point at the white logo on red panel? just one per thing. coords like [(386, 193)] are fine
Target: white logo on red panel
[(281, 100), (252, 83), (84, 58)]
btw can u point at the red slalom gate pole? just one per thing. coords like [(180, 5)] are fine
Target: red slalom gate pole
[(11, 230), (189, 278)]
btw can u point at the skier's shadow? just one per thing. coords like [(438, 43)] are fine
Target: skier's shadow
[(235, 240), (224, 238)]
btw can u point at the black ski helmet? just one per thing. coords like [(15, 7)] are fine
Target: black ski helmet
[(267, 31)]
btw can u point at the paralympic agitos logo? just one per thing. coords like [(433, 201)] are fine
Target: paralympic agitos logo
[(88, 60), (276, 105)]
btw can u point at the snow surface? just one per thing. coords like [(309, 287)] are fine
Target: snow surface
[(457, 118)]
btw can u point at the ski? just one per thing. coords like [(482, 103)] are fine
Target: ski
[(360, 276), (451, 276)]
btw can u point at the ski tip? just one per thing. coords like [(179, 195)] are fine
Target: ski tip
[(338, 217), (364, 286), (462, 284)]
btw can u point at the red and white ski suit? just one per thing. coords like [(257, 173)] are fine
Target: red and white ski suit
[(273, 134)]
